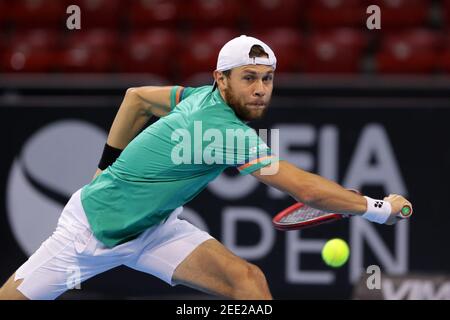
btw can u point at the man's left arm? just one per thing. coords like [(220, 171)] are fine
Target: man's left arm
[(313, 189), (322, 193)]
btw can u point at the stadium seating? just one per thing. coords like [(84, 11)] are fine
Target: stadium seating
[(37, 13), (149, 51), (89, 51), (268, 13), (84, 59), (175, 38), (335, 51), (212, 13), (93, 38), (34, 39), (152, 13), (444, 60), (446, 13), (200, 49), (99, 13), (4, 13), (397, 14), (287, 43), (412, 51), (336, 13), (17, 61), (31, 50)]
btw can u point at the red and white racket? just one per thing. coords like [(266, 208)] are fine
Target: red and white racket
[(300, 216)]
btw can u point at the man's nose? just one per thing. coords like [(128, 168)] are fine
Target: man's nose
[(259, 89)]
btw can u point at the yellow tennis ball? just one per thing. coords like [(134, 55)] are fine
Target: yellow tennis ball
[(335, 252)]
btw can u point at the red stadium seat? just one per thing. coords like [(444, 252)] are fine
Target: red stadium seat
[(99, 13), (150, 51), (4, 42), (287, 43), (269, 13), (89, 51), (337, 51), (35, 39), (38, 13), (446, 12), (200, 50), (151, 13), (336, 13), (4, 13), (84, 59), (414, 51), (28, 61), (402, 13), (93, 38), (212, 13), (444, 61), (31, 51)]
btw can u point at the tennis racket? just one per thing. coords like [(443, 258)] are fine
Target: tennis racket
[(300, 216)]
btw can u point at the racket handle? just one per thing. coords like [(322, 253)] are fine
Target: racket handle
[(406, 212)]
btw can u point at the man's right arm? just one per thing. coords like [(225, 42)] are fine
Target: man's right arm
[(138, 106), (136, 109)]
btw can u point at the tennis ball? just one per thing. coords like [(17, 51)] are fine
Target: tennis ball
[(335, 252)]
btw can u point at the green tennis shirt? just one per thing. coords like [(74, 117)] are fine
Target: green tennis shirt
[(169, 163)]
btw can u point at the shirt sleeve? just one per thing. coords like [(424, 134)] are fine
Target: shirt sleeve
[(179, 93), (251, 154), (257, 164), (188, 91), (176, 95)]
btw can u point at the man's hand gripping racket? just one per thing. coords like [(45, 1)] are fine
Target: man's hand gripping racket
[(300, 216)]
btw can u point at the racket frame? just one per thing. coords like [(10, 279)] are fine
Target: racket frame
[(327, 217)]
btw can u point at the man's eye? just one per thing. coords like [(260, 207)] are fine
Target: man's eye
[(248, 78)]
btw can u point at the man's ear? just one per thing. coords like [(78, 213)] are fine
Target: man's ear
[(220, 79)]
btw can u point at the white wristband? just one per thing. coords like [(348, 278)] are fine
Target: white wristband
[(377, 210)]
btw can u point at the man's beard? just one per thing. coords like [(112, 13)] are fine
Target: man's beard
[(242, 111)]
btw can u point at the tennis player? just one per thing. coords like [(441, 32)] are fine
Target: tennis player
[(128, 214)]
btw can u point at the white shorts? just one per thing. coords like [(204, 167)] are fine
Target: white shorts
[(72, 254)]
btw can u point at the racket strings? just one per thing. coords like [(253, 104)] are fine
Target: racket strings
[(302, 214)]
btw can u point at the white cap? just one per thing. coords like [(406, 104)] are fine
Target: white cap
[(235, 53)]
